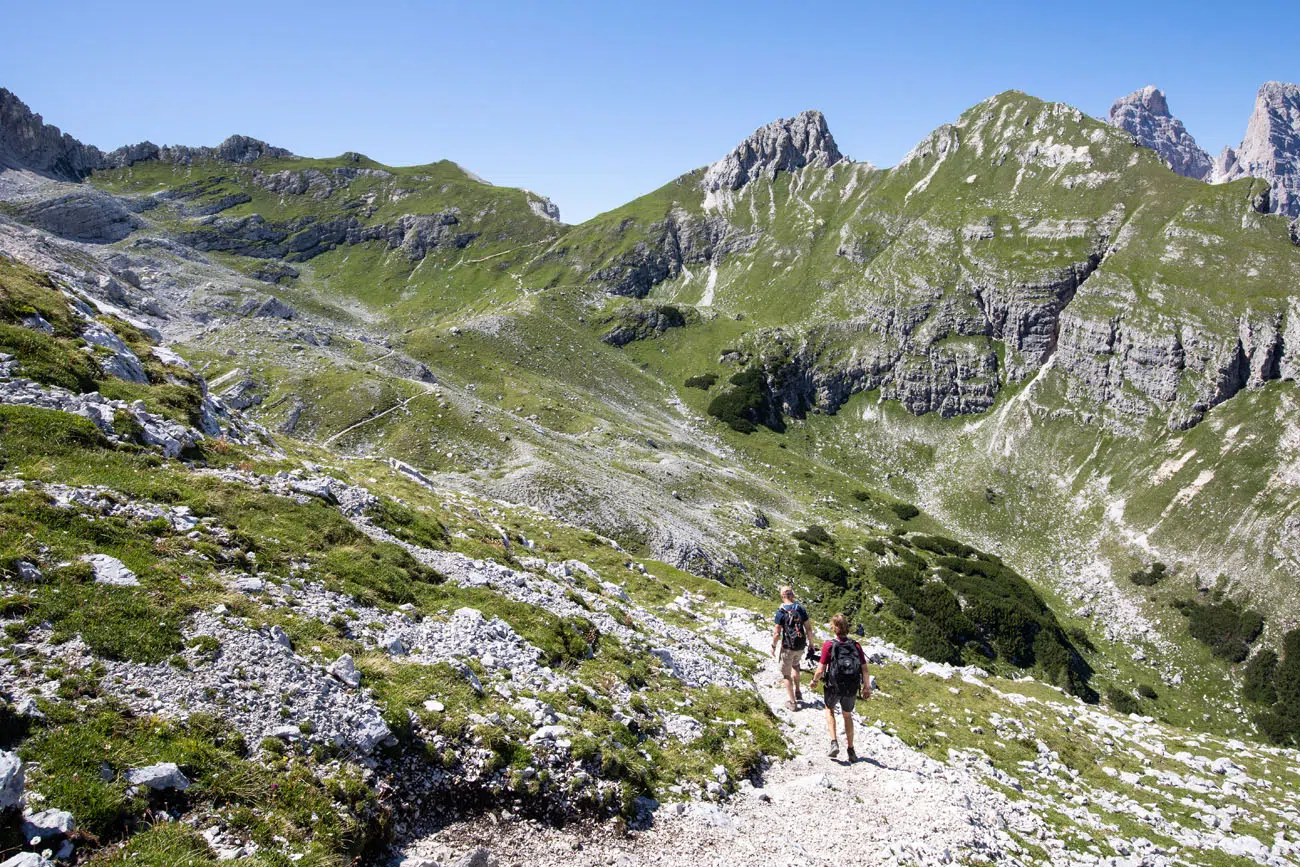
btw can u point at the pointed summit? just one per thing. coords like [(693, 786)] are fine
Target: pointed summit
[(1144, 114), (1271, 148), (784, 145)]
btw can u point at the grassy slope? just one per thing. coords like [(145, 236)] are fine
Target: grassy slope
[(544, 360)]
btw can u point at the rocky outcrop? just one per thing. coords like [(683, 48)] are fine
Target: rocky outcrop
[(545, 208), (1177, 371), (1271, 148), (319, 184), (298, 240), (82, 215), (643, 324), (781, 146), (1144, 114), (27, 142), (680, 240)]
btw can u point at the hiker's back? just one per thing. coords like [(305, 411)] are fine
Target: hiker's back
[(844, 667)]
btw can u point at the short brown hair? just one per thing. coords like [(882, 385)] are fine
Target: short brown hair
[(787, 592), (840, 624)]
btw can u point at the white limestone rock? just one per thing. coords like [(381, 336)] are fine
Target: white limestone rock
[(1144, 114)]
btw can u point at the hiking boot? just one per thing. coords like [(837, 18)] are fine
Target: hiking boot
[(835, 749), (853, 757), (798, 694), (791, 705)]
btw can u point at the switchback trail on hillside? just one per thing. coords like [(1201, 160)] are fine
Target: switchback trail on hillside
[(895, 805)]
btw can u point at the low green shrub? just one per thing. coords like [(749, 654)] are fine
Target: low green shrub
[(745, 405), (1225, 628), (904, 511), (814, 534), (1150, 576), (702, 381), (1121, 701)]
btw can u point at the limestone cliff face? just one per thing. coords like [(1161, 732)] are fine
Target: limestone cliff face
[(1271, 147), (27, 142), (416, 235), (781, 146), (1144, 114), (681, 239)]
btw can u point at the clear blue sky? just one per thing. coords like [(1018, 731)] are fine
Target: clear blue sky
[(596, 103)]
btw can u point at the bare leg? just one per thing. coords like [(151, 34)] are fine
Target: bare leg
[(795, 692), (789, 688), (848, 728), (830, 721)]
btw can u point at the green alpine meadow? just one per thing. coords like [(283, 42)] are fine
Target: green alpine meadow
[(357, 514)]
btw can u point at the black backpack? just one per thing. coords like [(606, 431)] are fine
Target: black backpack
[(793, 635), (844, 669)]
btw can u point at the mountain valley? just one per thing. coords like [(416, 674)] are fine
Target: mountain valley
[(353, 513)]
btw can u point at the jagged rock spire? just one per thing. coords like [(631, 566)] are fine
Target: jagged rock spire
[(1271, 148), (784, 145), (1144, 114)]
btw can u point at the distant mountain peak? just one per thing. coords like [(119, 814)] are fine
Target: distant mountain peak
[(1271, 147), (783, 145), (1144, 114)]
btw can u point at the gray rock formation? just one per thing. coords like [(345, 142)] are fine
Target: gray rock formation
[(545, 208), (416, 235), (82, 215), (48, 823), (641, 324), (160, 777), (110, 570), (784, 145), (1271, 148), (682, 240), (1144, 114), (11, 780), (27, 142)]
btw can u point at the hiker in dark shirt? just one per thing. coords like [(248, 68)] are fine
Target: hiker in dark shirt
[(844, 667), (792, 635)]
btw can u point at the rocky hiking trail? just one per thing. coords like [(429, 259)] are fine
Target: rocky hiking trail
[(894, 805)]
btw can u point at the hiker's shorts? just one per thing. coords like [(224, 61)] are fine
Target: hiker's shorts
[(845, 702), (790, 662)]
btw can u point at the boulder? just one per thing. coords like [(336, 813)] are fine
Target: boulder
[(480, 857), (160, 777), (27, 859), (345, 669), (250, 584), (273, 308), (110, 570), (11, 780), (48, 823)]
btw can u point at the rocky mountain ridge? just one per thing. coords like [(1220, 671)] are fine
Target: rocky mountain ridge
[(27, 142), (1270, 149)]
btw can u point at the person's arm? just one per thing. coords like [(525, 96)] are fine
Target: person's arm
[(821, 666), (776, 637)]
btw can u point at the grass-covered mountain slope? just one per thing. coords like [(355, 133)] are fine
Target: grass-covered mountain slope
[(402, 499)]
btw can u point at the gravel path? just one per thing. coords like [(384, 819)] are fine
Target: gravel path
[(894, 805)]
